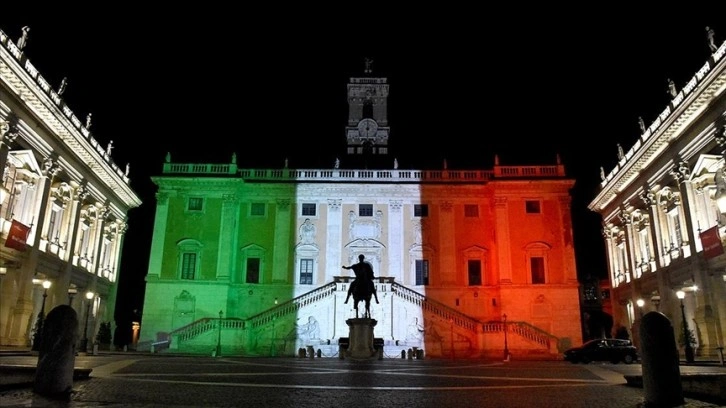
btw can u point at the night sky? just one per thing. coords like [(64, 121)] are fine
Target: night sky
[(204, 84)]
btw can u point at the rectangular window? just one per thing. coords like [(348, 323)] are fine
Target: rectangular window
[(257, 209), (253, 270), (538, 269), (189, 265), (54, 224), (474, 266), (532, 207), (365, 210), (195, 204), (422, 272), (85, 237), (420, 210), (309, 209), (306, 271), (471, 210)]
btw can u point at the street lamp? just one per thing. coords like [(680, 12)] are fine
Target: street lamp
[(655, 300), (38, 337), (640, 303), (219, 336), (451, 320), (272, 340), (506, 345), (686, 337), (71, 294), (84, 340)]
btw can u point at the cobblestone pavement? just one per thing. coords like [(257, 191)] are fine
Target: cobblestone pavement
[(140, 381)]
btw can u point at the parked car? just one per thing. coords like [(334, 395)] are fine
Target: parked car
[(613, 350)]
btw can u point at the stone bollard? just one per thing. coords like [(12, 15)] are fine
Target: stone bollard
[(661, 373), (403, 354), (410, 354), (319, 353), (301, 352), (57, 356), (311, 352)]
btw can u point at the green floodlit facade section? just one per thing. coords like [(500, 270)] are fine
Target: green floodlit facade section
[(248, 262)]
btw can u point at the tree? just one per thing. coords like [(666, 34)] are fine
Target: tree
[(103, 337)]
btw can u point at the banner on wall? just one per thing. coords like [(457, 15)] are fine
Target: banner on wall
[(18, 236), (711, 242)]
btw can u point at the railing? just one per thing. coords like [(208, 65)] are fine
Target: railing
[(196, 168), (204, 325), (522, 329), (383, 176), (292, 305), (446, 313), (439, 309)]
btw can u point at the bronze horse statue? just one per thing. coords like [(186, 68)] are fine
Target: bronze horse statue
[(362, 287)]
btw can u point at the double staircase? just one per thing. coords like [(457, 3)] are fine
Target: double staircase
[(537, 342)]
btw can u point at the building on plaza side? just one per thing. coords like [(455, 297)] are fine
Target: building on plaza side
[(63, 206), (467, 262), (663, 217)]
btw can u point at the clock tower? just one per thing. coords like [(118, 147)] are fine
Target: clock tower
[(367, 130)]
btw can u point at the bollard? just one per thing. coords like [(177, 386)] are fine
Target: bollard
[(661, 373), (57, 356), (319, 353), (403, 354), (311, 352), (410, 354)]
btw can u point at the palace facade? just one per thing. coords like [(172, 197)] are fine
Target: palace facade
[(663, 214), (63, 206), (468, 263)]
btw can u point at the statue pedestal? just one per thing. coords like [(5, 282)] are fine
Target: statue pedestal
[(360, 346)]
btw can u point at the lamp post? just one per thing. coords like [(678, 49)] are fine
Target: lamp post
[(71, 294), (655, 300), (506, 345), (452, 337), (84, 341), (640, 303), (686, 337), (272, 340), (219, 336), (38, 337)]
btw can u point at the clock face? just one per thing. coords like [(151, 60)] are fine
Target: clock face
[(367, 127)]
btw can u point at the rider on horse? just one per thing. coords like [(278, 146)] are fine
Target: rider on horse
[(363, 271)]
